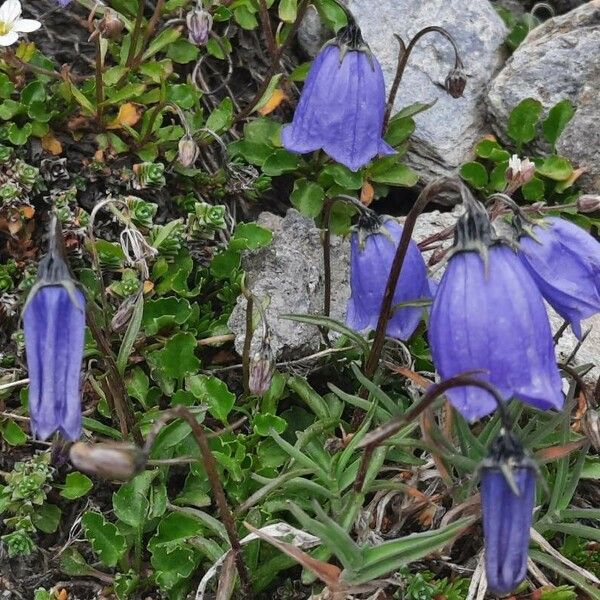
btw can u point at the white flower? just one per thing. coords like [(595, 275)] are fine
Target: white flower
[(11, 23)]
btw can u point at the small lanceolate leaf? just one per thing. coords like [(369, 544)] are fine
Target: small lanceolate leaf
[(106, 540)]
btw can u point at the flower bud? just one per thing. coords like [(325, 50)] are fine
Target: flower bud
[(519, 172), (508, 480), (262, 366), (588, 203), (199, 23), (110, 26), (455, 83), (590, 423), (188, 151), (115, 461)]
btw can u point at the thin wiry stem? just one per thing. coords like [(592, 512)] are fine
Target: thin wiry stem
[(379, 435), (405, 52)]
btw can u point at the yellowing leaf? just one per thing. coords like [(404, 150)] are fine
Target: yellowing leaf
[(25, 51), (277, 97), (51, 144), (129, 114), (367, 193)]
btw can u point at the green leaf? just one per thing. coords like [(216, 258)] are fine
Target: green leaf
[(7, 87), (164, 38), (264, 422), (245, 18), (555, 167), (523, 120), (165, 313), (250, 235), (176, 359), (214, 393), (73, 564), (332, 13), (308, 198), (13, 434), (127, 92), (106, 540), (131, 334), (288, 9), (388, 171), (343, 176), (474, 174), (46, 517), (76, 485), (182, 51), (81, 99), (491, 150), (399, 130), (533, 190), (558, 118), (19, 135), (221, 118), (281, 161), (413, 109), (130, 502), (268, 92), (183, 94)]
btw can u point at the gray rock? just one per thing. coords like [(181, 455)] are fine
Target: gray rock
[(564, 6), (287, 277), (516, 7), (553, 63), (445, 133), (580, 140), (479, 32)]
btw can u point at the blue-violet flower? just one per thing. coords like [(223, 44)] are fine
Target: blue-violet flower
[(489, 316), (54, 325), (372, 253), (564, 261), (342, 105), (508, 479)]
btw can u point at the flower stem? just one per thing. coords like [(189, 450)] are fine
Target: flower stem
[(404, 55), (303, 7), (208, 461), (379, 435), (99, 81), (428, 193), (265, 22)]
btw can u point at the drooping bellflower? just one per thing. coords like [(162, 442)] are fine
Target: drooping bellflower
[(508, 479), (489, 316), (342, 105), (372, 252), (564, 261), (54, 325)]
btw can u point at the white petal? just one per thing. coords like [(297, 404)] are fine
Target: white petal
[(10, 11), (26, 25), (10, 38)]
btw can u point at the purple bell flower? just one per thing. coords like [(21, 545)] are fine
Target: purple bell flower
[(54, 325), (508, 480), (370, 263), (342, 105), (489, 316), (564, 261)]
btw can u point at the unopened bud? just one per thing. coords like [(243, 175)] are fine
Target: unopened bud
[(188, 151), (199, 23), (519, 172), (456, 82), (590, 423), (110, 25), (111, 460), (588, 203), (262, 366)]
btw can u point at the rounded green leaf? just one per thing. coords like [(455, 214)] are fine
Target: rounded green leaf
[(308, 198), (475, 174)]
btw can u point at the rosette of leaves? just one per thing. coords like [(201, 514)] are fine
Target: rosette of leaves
[(149, 175), (6, 153), (128, 285), (168, 239), (142, 213), (26, 175), (206, 220), (6, 281)]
